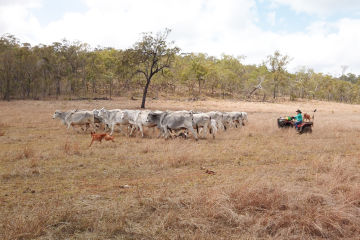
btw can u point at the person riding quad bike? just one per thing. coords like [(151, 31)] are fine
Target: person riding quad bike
[(298, 119)]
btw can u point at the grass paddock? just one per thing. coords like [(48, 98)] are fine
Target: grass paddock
[(267, 182)]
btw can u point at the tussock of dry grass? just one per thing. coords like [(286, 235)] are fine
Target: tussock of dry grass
[(268, 183)]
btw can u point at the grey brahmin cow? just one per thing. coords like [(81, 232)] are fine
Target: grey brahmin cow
[(203, 122), (244, 118), (113, 118), (234, 118), (219, 118), (141, 121), (75, 118), (172, 121)]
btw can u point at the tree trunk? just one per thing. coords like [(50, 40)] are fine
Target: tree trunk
[(252, 91), (84, 82), (93, 86), (199, 86), (44, 85), (57, 86), (28, 87), (275, 86), (145, 92), (7, 90), (110, 88), (274, 94), (7, 86)]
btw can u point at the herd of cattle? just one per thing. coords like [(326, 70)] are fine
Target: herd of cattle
[(168, 122)]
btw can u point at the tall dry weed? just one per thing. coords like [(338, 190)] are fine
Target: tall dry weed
[(3, 127), (28, 152), (269, 212), (71, 148)]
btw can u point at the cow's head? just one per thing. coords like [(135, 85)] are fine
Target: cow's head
[(95, 112), (56, 114), (153, 117), (101, 113), (227, 118)]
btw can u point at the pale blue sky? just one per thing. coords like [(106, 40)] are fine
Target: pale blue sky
[(285, 19), (289, 20), (321, 34), (54, 10)]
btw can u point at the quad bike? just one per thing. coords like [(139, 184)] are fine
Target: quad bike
[(304, 127)]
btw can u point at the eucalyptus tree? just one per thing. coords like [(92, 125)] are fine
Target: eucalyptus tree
[(199, 68), (26, 71), (303, 81), (72, 53), (8, 48), (153, 54), (108, 66), (186, 74), (126, 68), (44, 67), (59, 65), (172, 77), (213, 77), (233, 72), (277, 64)]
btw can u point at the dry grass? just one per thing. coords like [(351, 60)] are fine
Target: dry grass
[(269, 183)]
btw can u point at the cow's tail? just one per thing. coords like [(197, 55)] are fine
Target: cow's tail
[(197, 129)]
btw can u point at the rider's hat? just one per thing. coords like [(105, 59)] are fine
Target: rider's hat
[(298, 111)]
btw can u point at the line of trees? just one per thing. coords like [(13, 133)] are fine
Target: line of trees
[(154, 66)]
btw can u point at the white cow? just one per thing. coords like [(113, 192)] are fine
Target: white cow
[(76, 118), (213, 127), (99, 120), (120, 117), (244, 117), (172, 121), (142, 122), (218, 117), (203, 121), (235, 119), (133, 117), (112, 118)]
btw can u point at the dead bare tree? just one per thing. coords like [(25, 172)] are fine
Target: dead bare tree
[(258, 86)]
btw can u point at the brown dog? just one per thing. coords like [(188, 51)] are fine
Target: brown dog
[(307, 117), (100, 136), (109, 138)]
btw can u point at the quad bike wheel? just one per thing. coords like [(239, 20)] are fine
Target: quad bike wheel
[(305, 129)]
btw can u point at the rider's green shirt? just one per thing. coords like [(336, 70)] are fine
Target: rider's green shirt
[(299, 117)]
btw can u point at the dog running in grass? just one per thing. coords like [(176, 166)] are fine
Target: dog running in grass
[(307, 117), (100, 136)]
